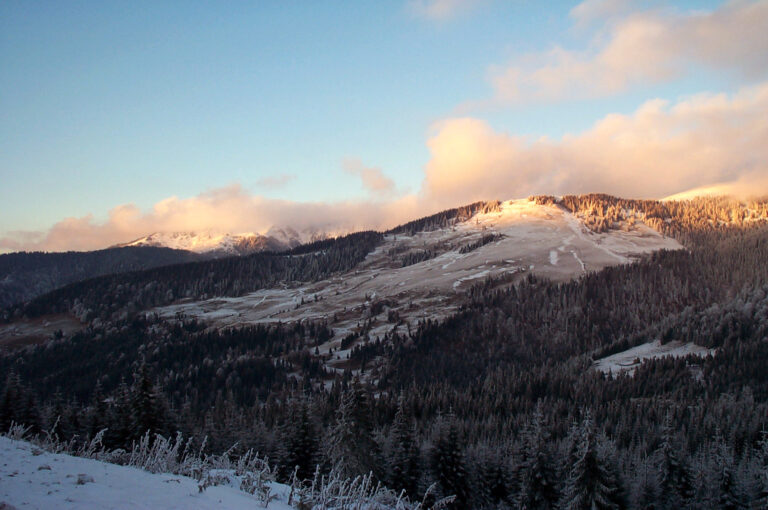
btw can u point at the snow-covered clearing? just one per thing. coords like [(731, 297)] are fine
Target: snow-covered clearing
[(630, 359), (35, 479)]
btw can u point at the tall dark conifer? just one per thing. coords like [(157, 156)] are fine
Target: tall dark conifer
[(592, 482), (447, 462), (404, 459), (537, 475)]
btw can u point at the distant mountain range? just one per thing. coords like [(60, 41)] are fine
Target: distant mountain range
[(25, 275), (227, 244)]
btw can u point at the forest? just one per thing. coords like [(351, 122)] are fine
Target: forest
[(498, 405)]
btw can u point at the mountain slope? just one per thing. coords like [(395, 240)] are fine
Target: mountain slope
[(25, 275)]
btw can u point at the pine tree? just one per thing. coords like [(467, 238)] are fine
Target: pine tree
[(353, 450), (404, 459), (730, 494), (447, 462), (148, 413), (300, 443), (537, 478), (120, 431), (592, 482), (10, 402), (675, 482), (98, 412)]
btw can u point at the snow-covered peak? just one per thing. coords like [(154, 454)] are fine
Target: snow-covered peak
[(210, 242)]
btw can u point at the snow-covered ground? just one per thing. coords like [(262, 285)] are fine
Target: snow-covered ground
[(630, 359), (546, 240), (35, 479)]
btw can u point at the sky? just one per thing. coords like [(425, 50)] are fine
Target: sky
[(120, 119)]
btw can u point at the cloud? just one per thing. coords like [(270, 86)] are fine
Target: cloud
[(228, 209), (640, 48), (275, 182), (440, 10), (709, 141), (659, 150), (373, 179)]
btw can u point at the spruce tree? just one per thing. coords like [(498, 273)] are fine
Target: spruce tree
[(730, 495), (447, 463), (120, 430), (592, 482), (537, 477), (148, 413), (10, 402), (676, 486), (353, 450), (300, 443), (404, 459)]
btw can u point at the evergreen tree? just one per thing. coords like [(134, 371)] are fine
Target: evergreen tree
[(353, 450), (10, 402), (98, 418), (148, 413), (537, 477), (730, 495), (120, 430), (592, 483), (447, 462), (675, 482), (404, 459), (300, 443)]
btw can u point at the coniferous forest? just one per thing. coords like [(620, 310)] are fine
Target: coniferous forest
[(498, 405)]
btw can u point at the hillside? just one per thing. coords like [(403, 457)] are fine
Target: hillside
[(24, 276), (478, 350)]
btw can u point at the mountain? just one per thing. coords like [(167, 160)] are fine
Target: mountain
[(211, 243), (25, 275), (505, 353)]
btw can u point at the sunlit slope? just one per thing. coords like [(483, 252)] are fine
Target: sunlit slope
[(410, 277)]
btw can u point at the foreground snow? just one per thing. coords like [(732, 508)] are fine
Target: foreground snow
[(630, 359), (32, 478)]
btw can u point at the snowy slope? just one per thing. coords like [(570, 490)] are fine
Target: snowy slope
[(34, 479), (208, 241), (526, 238)]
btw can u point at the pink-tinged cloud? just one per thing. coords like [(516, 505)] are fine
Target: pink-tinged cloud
[(639, 49), (659, 150), (373, 179), (229, 209)]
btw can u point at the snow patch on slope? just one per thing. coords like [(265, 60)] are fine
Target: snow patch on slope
[(630, 359)]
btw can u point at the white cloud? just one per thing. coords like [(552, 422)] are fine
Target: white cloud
[(640, 48)]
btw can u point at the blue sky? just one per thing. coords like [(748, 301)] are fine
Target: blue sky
[(110, 103)]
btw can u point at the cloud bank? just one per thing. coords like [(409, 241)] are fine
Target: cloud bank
[(639, 48), (659, 150)]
